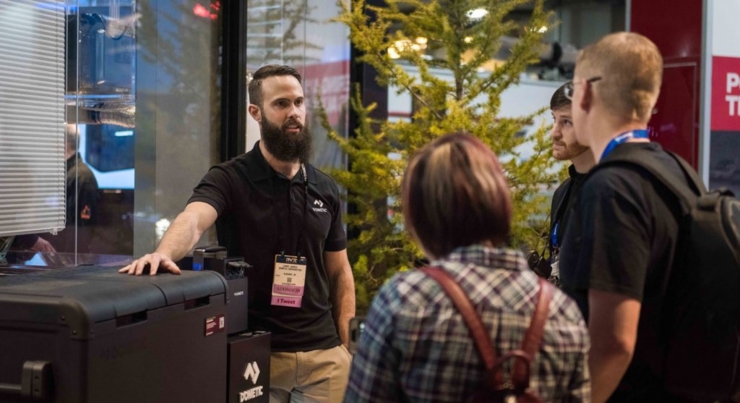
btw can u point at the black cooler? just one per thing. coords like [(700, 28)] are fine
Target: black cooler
[(92, 335)]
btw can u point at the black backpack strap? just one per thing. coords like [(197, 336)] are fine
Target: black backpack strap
[(686, 193), (690, 173)]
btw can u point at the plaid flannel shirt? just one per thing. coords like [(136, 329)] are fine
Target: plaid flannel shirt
[(416, 346)]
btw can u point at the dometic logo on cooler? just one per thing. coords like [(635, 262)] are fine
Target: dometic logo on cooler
[(319, 209), (250, 394), (252, 372)]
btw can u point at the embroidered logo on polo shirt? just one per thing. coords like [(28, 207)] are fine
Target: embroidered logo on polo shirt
[(319, 209)]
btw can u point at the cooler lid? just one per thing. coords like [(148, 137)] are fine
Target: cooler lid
[(39, 298), (176, 288), (98, 293)]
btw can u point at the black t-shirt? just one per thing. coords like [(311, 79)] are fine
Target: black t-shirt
[(564, 202), (622, 239), (261, 214)]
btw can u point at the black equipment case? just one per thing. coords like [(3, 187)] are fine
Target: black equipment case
[(249, 367), (89, 335)]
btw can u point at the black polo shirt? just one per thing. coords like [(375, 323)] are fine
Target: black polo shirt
[(261, 214)]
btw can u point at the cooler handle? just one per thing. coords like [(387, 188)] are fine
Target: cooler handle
[(36, 382)]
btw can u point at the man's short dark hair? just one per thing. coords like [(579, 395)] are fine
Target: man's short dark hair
[(559, 100), (270, 70)]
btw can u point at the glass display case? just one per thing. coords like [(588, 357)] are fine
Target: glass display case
[(101, 52), (144, 92), (142, 97)]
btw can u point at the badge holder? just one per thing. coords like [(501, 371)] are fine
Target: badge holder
[(289, 280)]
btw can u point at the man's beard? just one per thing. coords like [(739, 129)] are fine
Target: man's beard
[(570, 151), (285, 146)]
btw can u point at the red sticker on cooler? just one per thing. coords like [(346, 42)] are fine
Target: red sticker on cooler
[(215, 324)]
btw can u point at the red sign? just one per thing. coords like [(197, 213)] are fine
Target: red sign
[(215, 324), (725, 93)]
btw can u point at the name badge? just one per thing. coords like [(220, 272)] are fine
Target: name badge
[(289, 280)]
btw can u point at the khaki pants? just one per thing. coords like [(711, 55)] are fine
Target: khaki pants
[(311, 376)]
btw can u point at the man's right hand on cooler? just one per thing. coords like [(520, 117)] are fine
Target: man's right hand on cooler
[(151, 263)]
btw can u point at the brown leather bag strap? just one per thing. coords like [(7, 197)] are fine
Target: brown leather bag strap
[(470, 316), (533, 336)]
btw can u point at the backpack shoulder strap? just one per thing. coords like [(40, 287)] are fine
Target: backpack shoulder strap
[(687, 193), (533, 336), (690, 173), (470, 316)]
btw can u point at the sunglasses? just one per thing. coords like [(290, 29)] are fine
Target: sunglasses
[(570, 86)]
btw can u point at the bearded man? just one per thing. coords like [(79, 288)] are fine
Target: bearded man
[(565, 147), (272, 207)]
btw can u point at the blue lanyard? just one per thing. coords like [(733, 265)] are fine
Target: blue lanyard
[(623, 138), (555, 235)]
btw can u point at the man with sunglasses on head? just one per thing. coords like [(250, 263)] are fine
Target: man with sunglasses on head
[(621, 251), (565, 147)]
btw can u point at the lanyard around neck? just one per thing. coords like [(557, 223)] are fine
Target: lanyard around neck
[(623, 138)]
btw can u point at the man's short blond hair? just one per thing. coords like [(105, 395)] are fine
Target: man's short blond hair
[(631, 71)]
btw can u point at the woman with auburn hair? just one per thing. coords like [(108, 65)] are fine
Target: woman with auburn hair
[(415, 345)]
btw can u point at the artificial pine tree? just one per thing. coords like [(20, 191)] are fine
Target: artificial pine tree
[(461, 44)]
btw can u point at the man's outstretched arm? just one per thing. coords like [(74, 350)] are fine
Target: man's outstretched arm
[(180, 238)]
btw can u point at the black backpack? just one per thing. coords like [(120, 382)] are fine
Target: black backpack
[(700, 315)]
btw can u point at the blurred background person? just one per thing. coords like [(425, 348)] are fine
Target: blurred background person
[(81, 206)]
